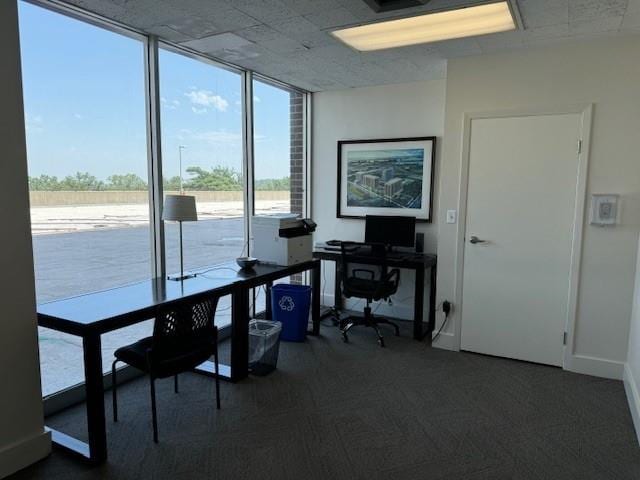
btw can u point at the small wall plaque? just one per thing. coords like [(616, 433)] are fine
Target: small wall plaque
[(604, 209)]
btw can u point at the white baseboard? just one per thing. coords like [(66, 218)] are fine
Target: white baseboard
[(598, 367), (445, 341), (23, 453), (633, 396)]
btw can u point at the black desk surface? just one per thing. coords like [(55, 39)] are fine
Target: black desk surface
[(107, 310), (396, 259)]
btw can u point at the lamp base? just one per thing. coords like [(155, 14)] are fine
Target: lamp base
[(179, 278)]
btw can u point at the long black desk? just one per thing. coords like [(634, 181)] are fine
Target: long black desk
[(89, 316), (418, 262)]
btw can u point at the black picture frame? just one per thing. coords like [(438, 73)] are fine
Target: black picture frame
[(425, 215)]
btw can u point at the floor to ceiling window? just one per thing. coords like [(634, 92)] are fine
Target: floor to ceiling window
[(87, 113), (278, 155), (278, 148), (84, 100), (202, 155)]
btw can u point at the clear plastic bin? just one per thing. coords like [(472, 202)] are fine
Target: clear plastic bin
[(264, 345)]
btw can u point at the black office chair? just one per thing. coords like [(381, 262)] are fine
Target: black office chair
[(375, 283), (183, 337)]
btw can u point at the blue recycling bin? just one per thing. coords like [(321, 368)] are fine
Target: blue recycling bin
[(290, 306)]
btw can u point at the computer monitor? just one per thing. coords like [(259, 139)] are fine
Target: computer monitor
[(392, 231)]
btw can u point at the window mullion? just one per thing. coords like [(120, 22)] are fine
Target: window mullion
[(248, 155), (154, 155)]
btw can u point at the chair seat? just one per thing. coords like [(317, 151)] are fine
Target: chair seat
[(180, 357), (365, 288)]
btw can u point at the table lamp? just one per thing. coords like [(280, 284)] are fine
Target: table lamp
[(180, 208)]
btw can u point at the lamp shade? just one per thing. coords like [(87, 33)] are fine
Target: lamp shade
[(179, 208)]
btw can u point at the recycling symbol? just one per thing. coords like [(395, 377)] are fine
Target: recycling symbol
[(286, 303)]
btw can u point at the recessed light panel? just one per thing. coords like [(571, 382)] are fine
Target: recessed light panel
[(433, 27)]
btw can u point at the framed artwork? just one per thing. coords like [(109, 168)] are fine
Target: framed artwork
[(386, 177)]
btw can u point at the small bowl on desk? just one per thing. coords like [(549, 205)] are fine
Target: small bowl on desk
[(246, 263)]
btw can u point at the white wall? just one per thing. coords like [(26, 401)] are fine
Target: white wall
[(607, 74), (407, 110), (22, 437), (632, 367)]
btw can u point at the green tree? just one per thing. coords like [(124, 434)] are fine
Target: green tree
[(276, 184), (82, 181), (218, 179), (128, 182), (172, 183), (44, 183)]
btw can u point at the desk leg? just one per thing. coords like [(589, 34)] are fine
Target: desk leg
[(95, 398), (316, 289), (239, 334), (432, 299), (267, 301), (337, 289), (418, 304)]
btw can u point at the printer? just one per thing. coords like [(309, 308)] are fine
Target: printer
[(282, 239)]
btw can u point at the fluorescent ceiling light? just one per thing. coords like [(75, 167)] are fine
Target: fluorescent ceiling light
[(433, 27)]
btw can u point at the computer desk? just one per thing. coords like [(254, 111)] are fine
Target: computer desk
[(91, 315), (418, 262)]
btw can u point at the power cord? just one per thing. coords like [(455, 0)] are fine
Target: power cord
[(446, 309)]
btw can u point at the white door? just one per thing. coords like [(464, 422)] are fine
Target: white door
[(520, 213)]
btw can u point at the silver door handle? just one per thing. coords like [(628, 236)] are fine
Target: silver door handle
[(475, 240)]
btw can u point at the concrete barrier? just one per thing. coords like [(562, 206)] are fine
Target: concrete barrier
[(109, 197)]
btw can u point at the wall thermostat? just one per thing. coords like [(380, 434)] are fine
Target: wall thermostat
[(604, 209)]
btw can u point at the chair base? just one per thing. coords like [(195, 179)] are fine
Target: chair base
[(368, 320)]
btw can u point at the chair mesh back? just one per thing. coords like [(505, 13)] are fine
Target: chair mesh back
[(349, 260), (185, 322)]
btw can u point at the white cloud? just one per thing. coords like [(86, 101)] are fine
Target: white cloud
[(78, 116), (207, 99), (170, 105), (198, 111), (256, 99)]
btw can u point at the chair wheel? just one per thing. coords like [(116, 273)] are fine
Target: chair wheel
[(345, 339), (381, 342)]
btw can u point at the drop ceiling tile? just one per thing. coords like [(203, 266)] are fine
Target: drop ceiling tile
[(586, 10), (633, 6), (458, 48), (595, 26), (291, 40), (540, 13), (110, 10), (264, 10), (318, 39), (169, 34), (549, 32), (295, 26), (284, 46), (305, 7), (215, 43), (193, 27), (259, 33), (501, 41), (328, 19), (630, 21)]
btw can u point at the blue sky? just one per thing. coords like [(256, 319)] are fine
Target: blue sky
[(85, 105)]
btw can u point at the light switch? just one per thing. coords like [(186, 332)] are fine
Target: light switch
[(451, 216)]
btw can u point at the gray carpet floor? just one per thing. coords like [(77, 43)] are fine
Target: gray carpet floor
[(356, 411)]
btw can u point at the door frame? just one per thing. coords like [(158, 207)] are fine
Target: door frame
[(585, 111)]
